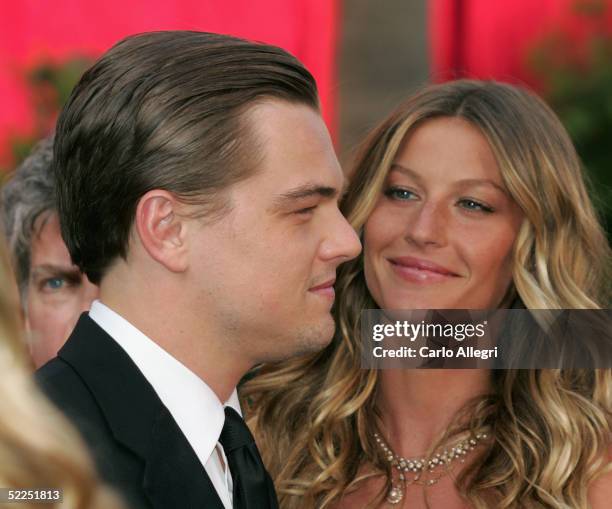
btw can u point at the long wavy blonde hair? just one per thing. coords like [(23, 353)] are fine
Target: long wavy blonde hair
[(38, 447), (314, 417)]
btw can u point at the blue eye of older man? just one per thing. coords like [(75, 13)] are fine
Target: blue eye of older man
[(474, 206), (54, 283), (397, 193)]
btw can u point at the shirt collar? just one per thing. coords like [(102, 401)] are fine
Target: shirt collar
[(191, 402)]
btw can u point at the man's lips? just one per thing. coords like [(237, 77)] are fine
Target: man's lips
[(419, 270), (326, 288)]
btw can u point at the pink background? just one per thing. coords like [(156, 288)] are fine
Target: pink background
[(497, 35), (34, 31)]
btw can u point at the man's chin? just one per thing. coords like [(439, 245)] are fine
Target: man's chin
[(315, 338), (306, 340)]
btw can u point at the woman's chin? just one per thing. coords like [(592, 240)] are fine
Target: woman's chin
[(419, 301)]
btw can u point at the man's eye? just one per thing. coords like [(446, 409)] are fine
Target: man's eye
[(400, 194), (306, 211), (474, 206), (53, 283)]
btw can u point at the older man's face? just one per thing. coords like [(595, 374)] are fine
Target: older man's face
[(57, 292)]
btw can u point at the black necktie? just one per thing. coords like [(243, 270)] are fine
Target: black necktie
[(253, 488)]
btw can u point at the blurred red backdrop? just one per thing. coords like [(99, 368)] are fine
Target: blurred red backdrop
[(34, 33), (492, 40)]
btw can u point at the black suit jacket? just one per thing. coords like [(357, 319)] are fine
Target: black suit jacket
[(138, 447)]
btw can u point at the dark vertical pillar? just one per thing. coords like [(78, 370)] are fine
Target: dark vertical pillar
[(459, 33), (383, 58)]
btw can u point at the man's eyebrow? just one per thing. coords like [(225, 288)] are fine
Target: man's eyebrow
[(304, 191), (48, 269)]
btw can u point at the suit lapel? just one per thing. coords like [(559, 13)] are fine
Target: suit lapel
[(174, 477)]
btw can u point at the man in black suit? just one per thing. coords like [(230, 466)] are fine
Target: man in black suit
[(197, 185)]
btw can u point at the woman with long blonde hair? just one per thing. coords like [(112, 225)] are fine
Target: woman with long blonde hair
[(469, 196), (42, 458)]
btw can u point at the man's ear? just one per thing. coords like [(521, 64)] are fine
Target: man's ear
[(162, 230)]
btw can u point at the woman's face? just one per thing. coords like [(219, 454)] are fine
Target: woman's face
[(441, 234)]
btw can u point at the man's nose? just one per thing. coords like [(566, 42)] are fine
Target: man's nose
[(342, 242)]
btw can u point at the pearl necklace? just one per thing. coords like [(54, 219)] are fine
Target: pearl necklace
[(416, 467)]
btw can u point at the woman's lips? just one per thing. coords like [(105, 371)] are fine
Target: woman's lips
[(416, 270)]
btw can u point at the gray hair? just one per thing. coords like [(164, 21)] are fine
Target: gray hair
[(29, 193)]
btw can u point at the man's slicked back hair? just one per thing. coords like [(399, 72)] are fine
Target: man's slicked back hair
[(161, 110)]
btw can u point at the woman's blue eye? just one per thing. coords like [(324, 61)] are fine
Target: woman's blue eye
[(475, 206), (398, 193)]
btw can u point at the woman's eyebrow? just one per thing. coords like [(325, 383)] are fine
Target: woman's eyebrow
[(462, 182), (406, 171)]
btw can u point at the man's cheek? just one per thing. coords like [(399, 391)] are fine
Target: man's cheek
[(67, 327), (51, 313), (41, 315), (275, 301)]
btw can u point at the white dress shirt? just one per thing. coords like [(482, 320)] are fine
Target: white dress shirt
[(193, 405)]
